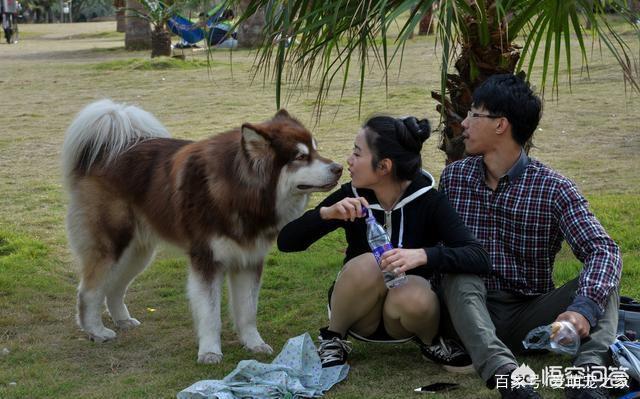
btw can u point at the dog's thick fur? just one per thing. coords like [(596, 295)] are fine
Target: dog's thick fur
[(223, 200)]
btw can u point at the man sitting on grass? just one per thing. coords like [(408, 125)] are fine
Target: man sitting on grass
[(521, 210)]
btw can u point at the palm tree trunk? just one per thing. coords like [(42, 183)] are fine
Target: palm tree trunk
[(474, 65), (635, 7), (426, 24), (160, 43), (251, 31), (138, 33), (121, 25)]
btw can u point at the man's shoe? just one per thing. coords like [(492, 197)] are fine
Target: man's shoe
[(332, 349), (524, 392), (447, 353), (587, 393), (508, 391)]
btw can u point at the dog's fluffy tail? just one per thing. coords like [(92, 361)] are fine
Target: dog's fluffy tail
[(103, 130)]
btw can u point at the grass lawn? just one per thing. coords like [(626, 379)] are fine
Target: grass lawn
[(589, 134)]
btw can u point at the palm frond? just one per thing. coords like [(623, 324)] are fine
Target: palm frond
[(156, 12), (313, 39), (557, 23)]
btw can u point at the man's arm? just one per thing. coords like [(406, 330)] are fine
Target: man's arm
[(599, 254)]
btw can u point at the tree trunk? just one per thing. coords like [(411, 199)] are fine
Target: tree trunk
[(160, 43), (499, 56), (138, 33), (426, 24), (121, 25), (251, 31), (635, 7)]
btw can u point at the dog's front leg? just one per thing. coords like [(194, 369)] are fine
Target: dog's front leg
[(204, 288), (244, 286)]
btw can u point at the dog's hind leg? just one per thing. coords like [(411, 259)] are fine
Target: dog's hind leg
[(132, 262), (100, 229), (244, 287), (91, 296), (204, 287)]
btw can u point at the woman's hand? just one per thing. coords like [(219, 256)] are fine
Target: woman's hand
[(400, 259), (346, 209)]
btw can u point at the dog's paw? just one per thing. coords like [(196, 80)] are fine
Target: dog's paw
[(260, 348), (210, 358), (103, 335), (127, 324)]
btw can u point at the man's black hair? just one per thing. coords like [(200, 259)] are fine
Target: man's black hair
[(510, 96)]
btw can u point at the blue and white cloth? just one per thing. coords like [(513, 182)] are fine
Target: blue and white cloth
[(627, 354), (295, 373)]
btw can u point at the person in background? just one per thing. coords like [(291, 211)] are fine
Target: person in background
[(8, 13)]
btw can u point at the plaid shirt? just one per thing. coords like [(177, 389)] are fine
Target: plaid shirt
[(522, 224)]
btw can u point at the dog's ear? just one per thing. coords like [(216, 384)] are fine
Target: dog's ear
[(254, 140), (282, 113)]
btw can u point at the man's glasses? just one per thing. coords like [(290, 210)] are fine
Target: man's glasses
[(477, 115)]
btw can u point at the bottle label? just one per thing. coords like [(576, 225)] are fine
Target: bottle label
[(378, 251)]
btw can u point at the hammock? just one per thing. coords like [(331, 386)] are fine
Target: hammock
[(189, 31)]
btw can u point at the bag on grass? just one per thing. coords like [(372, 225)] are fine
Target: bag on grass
[(629, 317), (627, 354)]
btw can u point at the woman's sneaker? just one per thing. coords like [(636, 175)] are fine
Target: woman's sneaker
[(447, 353), (332, 349)]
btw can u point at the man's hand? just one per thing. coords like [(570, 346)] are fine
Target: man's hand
[(579, 322), (400, 260)]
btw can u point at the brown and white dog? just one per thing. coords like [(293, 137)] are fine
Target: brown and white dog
[(223, 200)]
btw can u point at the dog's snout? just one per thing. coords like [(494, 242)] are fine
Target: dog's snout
[(336, 169)]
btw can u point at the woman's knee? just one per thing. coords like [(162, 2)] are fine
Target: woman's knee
[(413, 300), (361, 273)]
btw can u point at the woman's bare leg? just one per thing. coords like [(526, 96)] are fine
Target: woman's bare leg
[(358, 297), (412, 309)]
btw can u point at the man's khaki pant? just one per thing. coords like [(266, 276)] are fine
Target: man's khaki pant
[(492, 324)]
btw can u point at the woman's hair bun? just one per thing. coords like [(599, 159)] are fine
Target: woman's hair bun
[(419, 128), (411, 132)]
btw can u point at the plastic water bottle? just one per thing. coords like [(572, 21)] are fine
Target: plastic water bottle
[(380, 243)]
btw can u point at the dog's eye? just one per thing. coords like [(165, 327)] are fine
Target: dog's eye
[(302, 157)]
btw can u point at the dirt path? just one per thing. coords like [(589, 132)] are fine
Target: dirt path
[(62, 42)]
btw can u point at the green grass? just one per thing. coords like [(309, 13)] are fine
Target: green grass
[(49, 357), (590, 135), (97, 35), (136, 64), (117, 49)]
